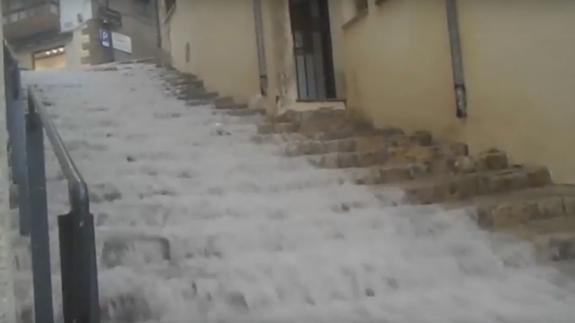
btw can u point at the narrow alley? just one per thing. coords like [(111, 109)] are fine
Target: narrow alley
[(200, 219)]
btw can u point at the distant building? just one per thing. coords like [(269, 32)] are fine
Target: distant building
[(69, 33)]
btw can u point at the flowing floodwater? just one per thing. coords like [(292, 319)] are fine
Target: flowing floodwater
[(258, 237)]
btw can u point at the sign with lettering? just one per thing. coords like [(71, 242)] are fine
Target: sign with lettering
[(122, 42), (105, 38)]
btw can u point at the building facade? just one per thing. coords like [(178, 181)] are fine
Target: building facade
[(70, 33), (391, 62)]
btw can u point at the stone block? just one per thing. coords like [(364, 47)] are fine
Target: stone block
[(330, 146), (493, 160), (329, 161), (539, 176), (483, 217), (551, 207), (562, 248), (464, 164), (395, 174), (419, 170), (265, 128), (347, 145), (293, 149), (427, 194), (420, 154), (458, 149), (126, 308), (285, 127), (134, 250), (512, 180), (348, 160), (423, 138), (463, 187), (504, 181), (367, 159), (311, 148), (569, 205), (510, 214)]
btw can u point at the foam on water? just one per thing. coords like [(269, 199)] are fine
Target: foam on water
[(258, 237)]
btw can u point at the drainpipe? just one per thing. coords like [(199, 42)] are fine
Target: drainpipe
[(158, 25), (457, 59), (261, 49)]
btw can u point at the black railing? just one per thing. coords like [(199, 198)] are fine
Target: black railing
[(76, 229)]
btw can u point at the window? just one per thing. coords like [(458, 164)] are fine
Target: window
[(170, 4)]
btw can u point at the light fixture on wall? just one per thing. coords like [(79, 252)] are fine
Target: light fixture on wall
[(50, 52)]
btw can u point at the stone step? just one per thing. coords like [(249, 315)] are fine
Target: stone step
[(183, 84), (199, 102), (277, 128), (190, 92), (554, 238), (390, 155), (198, 96), (177, 77), (520, 207), (458, 187), (365, 142), (318, 133), (403, 172), (246, 112), (224, 101), (232, 106), (388, 174), (132, 248)]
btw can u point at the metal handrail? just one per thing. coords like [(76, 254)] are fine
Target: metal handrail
[(78, 190), (76, 229)]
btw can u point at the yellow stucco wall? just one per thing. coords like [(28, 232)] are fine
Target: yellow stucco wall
[(223, 52), (222, 43), (519, 59)]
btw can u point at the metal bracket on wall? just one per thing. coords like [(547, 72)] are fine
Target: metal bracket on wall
[(457, 59)]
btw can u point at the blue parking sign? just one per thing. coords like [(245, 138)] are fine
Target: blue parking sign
[(105, 38)]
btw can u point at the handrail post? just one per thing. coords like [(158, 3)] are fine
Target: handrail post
[(16, 124), (80, 297), (38, 207)]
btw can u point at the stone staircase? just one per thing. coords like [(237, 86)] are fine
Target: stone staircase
[(499, 195), (189, 88)]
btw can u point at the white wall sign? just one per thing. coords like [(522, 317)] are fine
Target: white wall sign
[(122, 42)]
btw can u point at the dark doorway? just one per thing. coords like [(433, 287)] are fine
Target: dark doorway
[(312, 49)]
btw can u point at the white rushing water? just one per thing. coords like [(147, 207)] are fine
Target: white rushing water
[(258, 237)]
